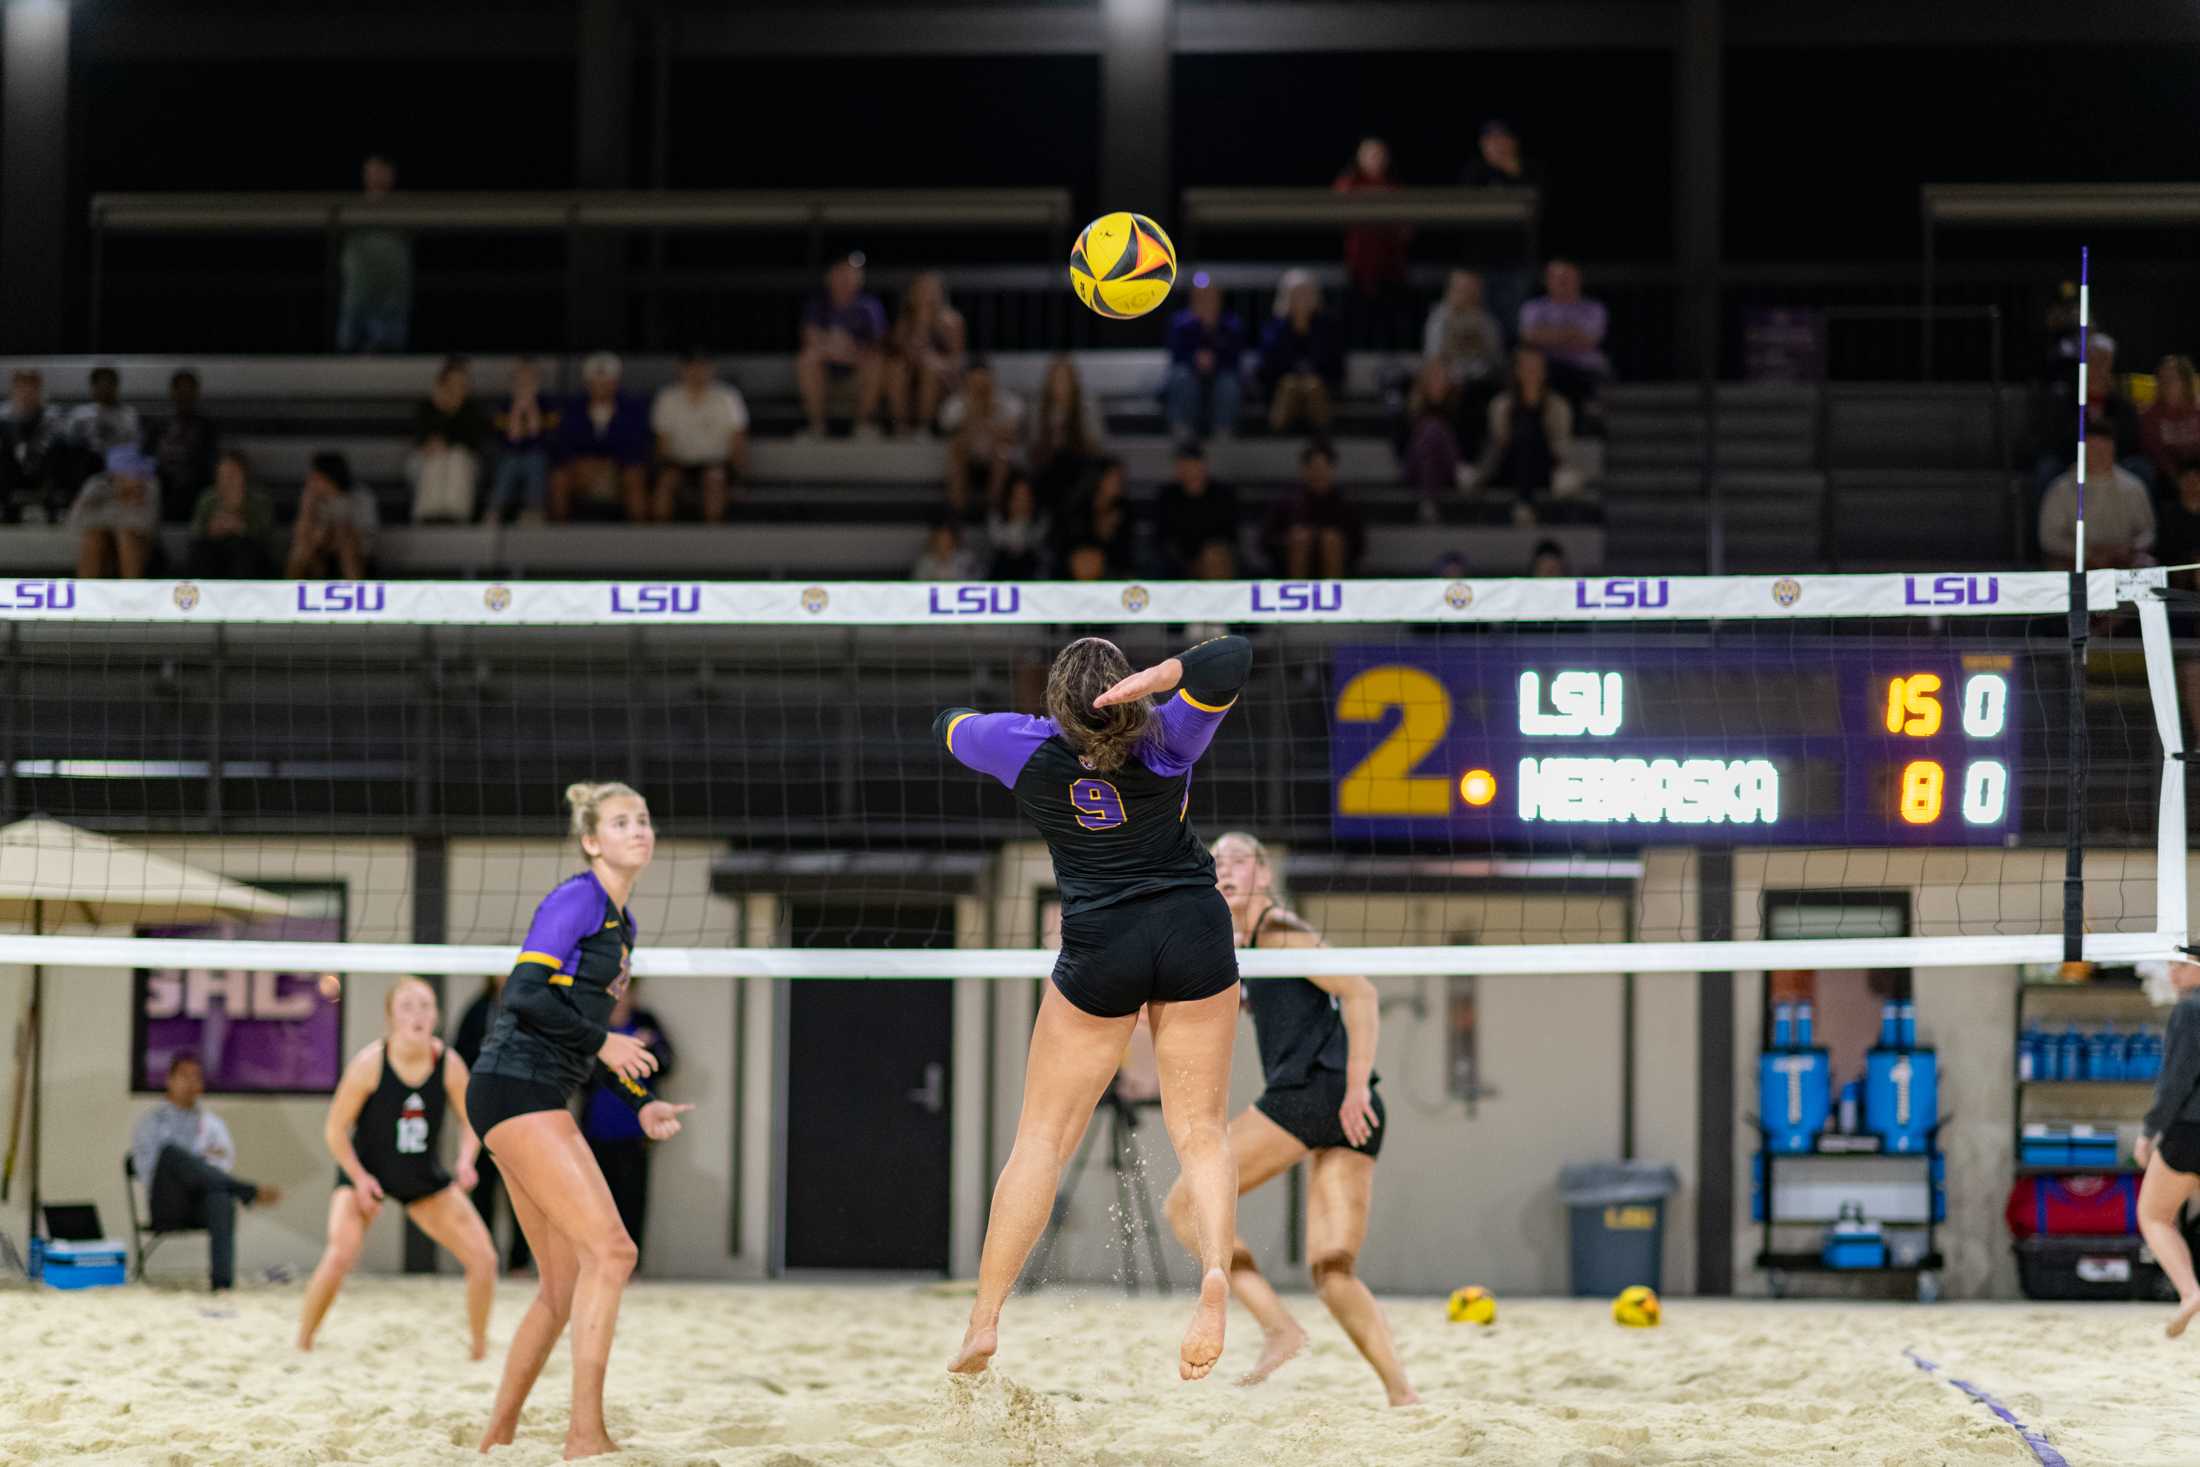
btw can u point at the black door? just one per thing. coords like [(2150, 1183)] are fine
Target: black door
[(869, 1065)]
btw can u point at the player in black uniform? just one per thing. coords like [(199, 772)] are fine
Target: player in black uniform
[(1106, 776), (385, 1129), (544, 1044), (1317, 1058)]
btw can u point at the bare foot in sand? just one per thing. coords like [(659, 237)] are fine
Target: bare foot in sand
[(1202, 1345), (600, 1445), (2185, 1312), (979, 1343), (478, 1350), (1407, 1397), (497, 1436), (1275, 1350)]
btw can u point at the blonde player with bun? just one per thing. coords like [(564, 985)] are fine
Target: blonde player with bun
[(1317, 1056), (2169, 1141), (546, 1043), (385, 1129)]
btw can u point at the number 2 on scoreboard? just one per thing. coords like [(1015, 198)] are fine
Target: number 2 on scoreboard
[(1384, 782)]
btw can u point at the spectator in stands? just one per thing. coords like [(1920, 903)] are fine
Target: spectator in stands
[(116, 517), (1568, 328), (32, 442), (984, 423), (1317, 531), (445, 464), (702, 428), (1066, 433), (1548, 562), (1530, 439), (1206, 362), (925, 356), (525, 426), (602, 450), (1196, 521), (1466, 338), (103, 423), (2177, 526), (2119, 515), (183, 445), (233, 527), (1100, 520), (1374, 254), (1431, 453), (1301, 358), (2169, 429), (843, 345), (1497, 162), (338, 524), (945, 556), (376, 265), (1018, 533), (183, 1153)]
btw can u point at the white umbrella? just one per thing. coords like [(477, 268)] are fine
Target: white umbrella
[(52, 871)]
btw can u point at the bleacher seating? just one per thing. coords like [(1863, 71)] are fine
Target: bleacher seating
[(877, 495)]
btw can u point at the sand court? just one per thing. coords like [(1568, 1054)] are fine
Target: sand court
[(790, 1375)]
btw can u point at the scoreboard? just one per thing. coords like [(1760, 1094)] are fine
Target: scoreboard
[(1823, 744)]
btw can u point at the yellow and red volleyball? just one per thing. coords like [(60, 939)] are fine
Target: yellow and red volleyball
[(1122, 266)]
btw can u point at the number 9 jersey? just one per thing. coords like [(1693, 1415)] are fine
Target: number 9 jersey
[(1121, 834)]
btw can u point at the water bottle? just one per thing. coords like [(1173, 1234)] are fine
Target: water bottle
[(1906, 1020), (2105, 1057), (2070, 1057), (2028, 1053), (2150, 1055), (1783, 1026), (1890, 1030), (1851, 1100), (1802, 1026)]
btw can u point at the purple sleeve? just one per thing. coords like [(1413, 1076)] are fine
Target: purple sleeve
[(999, 744), (565, 917), (1185, 728), (1594, 319)]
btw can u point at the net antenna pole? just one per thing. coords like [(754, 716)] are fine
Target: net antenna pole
[(2074, 711)]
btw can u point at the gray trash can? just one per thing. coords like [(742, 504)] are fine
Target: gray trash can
[(1618, 1224)]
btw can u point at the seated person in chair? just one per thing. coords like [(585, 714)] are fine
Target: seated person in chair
[(183, 1153)]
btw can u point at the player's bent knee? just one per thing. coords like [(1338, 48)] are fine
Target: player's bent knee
[(1241, 1260), (614, 1253), (1333, 1266)]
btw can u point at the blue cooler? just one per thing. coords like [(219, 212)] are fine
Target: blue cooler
[(90, 1265), (2093, 1146), (1794, 1097), (1902, 1097), (1854, 1243)]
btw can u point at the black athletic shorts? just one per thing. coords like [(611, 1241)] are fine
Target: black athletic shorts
[(2179, 1144), (441, 1179), (1309, 1112), (492, 1099), (1174, 946)]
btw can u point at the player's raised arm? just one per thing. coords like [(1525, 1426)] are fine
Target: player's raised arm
[(1207, 679)]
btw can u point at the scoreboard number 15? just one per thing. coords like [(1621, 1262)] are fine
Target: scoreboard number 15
[(1913, 710)]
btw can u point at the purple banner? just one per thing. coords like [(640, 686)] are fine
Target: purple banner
[(256, 1033)]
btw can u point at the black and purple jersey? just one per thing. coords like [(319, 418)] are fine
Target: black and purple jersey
[(1124, 834), (557, 1004)]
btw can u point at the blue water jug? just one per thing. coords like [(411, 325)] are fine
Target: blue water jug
[(1902, 1097), (2105, 1056), (2070, 1055), (2029, 1043), (1794, 1097)]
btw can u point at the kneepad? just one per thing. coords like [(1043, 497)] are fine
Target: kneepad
[(1336, 1263)]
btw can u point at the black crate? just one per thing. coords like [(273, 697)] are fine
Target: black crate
[(2089, 1268)]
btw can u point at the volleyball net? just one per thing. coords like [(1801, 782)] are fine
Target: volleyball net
[(1609, 774)]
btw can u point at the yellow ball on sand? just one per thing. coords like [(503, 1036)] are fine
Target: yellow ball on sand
[(1122, 265), (1472, 1305), (1636, 1308)]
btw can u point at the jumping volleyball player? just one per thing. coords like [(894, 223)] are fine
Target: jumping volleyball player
[(1106, 776), (2169, 1144), (543, 1046), (385, 1129), (1317, 1060)]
